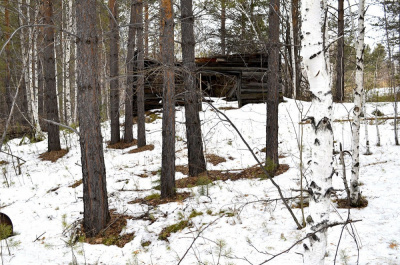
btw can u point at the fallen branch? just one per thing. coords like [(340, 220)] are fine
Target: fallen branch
[(61, 125)]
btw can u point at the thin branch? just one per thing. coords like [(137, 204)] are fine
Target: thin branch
[(259, 163), (61, 125)]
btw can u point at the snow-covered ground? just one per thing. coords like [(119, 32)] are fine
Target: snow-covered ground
[(249, 234)]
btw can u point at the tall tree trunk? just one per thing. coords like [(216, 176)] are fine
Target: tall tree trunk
[(272, 160), (146, 29), (296, 42), (316, 64), (114, 72), (340, 54), (7, 65), (67, 57), (196, 160), (130, 61), (392, 78), (141, 125), (96, 214), (168, 122), (49, 73), (223, 27), (355, 192)]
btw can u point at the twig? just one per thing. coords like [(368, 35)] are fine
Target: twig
[(37, 238), (198, 235), (299, 226), (308, 236), (61, 125)]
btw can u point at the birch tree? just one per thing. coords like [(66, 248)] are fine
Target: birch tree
[(315, 59), (67, 63), (357, 110)]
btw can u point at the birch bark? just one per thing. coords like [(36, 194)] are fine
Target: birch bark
[(320, 183), (355, 193)]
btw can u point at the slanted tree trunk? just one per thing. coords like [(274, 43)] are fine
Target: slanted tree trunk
[(114, 72), (168, 121), (316, 64), (49, 73), (355, 192), (196, 160), (95, 203), (130, 62), (141, 125), (272, 160), (340, 54)]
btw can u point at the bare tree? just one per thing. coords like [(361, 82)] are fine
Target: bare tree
[(273, 85), (168, 121), (141, 125), (358, 108), (340, 54), (316, 64), (130, 62), (114, 72), (95, 200), (49, 72), (196, 161)]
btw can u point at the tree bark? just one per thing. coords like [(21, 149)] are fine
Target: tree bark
[(196, 160), (141, 125), (114, 72), (272, 160), (96, 214), (146, 29), (316, 64), (130, 61), (355, 192), (340, 54), (49, 72), (168, 122)]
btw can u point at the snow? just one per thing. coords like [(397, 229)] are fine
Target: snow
[(250, 231)]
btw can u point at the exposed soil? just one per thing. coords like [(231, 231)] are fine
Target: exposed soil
[(53, 156), (183, 169), (253, 172), (122, 145), (215, 159), (141, 149), (180, 196), (344, 204), (227, 108), (111, 234), (3, 162)]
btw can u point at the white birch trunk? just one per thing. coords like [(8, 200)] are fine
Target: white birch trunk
[(378, 135), (367, 151), (320, 183), (67, 59), (27, 38), (355, 193)]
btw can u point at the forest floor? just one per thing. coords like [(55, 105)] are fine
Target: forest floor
[(231, 216)]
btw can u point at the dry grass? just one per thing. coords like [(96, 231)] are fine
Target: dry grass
[(121, 145), (155, 200), (254, 172), (149, 147), (344, 203), (215, 159), (53, 156), (111, 234)]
